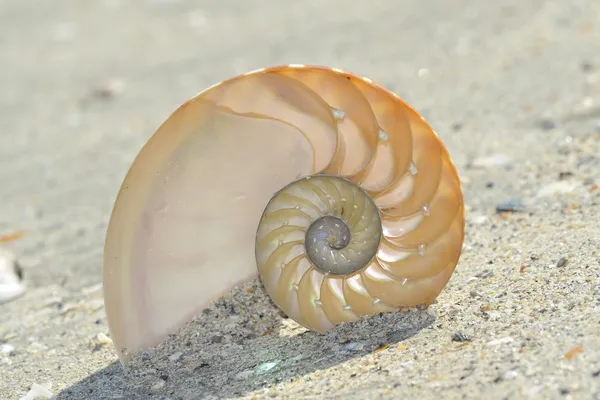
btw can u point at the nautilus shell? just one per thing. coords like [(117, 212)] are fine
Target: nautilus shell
[(331, 188)]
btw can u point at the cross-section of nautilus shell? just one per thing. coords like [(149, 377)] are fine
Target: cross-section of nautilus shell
[(334, 190)]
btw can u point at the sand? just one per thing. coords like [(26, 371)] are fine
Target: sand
[(512, 88)]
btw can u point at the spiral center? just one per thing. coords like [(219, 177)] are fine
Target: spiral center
[(332, 230), (337, 219), (328, 239)]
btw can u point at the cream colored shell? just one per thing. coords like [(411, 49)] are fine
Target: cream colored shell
[(228, 182)]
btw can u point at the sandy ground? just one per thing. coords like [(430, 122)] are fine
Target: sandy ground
[(512, 87)]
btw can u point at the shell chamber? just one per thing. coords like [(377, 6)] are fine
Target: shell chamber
[(337, 190)]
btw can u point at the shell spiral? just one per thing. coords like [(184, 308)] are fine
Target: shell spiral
[(335, 190), (386, 184)]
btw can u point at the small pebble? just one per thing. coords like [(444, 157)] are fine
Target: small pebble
[(460, 337), (354, 346), (495, 160), (547, 124), (109, 89), (587, 66), (175, 356), (565, 174), (562, 262), (556, 188), (103, 339), (485, 274), (452, 311), (39, 392), (480, 220), (6, 349), (160, 383), (503, 340), (423, 73), (37, 347), (244, 374), (511, 375), (11, 277), (216, 339), (266, 367), (512, 205), (485, 308)]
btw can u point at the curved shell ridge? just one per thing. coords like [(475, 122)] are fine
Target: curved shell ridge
[(411, 178), (334, 302), (417, 265), (437, 214), (362, 302), (395, 137), (309, 300), (278, 97), (356, 124)]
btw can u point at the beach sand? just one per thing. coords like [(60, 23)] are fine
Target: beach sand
[(511, 87)]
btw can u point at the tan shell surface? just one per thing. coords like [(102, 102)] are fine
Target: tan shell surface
[(184, 226)]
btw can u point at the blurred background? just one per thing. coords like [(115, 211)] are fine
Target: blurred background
[(512, 87)]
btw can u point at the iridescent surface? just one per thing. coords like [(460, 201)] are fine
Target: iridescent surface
[(332, 232), (339, 222), (184, 228)]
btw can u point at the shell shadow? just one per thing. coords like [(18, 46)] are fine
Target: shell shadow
[(215, 358)]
